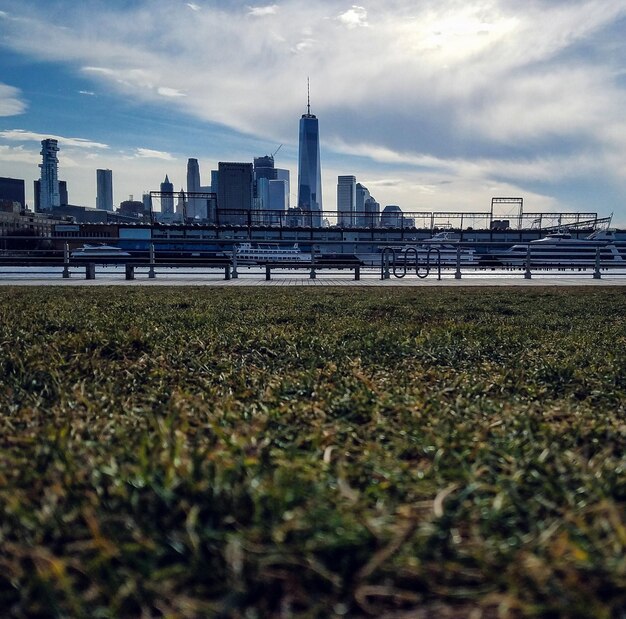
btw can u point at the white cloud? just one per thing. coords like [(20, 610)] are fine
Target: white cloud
[(88, 93), (147, 153), (262, 11), (170, 92), (11, 103), (193, 6), (20, 135), (355, 17)]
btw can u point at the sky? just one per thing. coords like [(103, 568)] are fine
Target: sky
[(431, 104)]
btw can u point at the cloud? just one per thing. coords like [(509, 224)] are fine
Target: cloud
[(262, 11), (20, 135), (170, 92), (147, 153), (88, 93), (19, 154), (355, 17), (10, 102), (193, 7)]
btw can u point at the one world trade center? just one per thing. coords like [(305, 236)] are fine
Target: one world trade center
[(309, 170)]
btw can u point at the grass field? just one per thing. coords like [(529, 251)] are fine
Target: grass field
[(312, 452)]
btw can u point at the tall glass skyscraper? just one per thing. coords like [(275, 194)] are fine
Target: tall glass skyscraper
[(193, 187), (309, 170), (104, 187), (49, 196)]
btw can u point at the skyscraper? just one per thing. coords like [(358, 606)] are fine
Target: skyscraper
[(362, 195), (234, 194), (49, 180), (193, 187), (309, 170), (346, 200), (167, 197), (12, 190), (104, 184)]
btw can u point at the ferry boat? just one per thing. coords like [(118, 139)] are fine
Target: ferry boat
[(99, 252), (560, 249), (261, 253)]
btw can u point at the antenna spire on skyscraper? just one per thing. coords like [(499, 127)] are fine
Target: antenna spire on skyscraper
[(308, 96)]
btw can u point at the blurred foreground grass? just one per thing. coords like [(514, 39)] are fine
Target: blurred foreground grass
[(307, 452)]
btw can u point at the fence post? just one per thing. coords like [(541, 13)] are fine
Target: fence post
[(227, 271), (268, 272), (527, 274), (90, 271), (235, 275), (151, 273), (457, 275), (596, 272), (357, 272), (66, 261), (130, 271)]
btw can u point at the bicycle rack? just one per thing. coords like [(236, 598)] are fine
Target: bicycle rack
[(391, 262)]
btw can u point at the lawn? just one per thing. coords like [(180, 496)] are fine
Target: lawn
[(312, 453)]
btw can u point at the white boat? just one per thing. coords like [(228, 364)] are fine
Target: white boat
[(99, 252), (261, 253), (560, 249)]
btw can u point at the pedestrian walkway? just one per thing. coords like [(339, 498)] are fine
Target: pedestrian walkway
[(213, 280)]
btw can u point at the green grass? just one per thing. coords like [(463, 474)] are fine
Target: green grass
[(316, 453)]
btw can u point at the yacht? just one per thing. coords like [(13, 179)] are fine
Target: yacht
[(561, 249), (99, 252), (261, 253)]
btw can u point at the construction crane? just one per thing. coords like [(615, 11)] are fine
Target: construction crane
[(274, 153)]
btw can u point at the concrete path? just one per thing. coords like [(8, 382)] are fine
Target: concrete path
[(216, 280)]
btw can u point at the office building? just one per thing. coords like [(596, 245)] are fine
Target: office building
[(235, 192), (372, 213), (362, 195), (104, 186), (167, 197), (49, 197), (309, 170), (391, 216), (194, 204), (63, 197), (12, 190), (346, 200)]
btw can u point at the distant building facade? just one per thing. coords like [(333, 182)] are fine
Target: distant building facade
[(346, 200), (235, 192), (12, 190), (167, 197), (391, 216), (104, 187), (49, 197), (195, 208)]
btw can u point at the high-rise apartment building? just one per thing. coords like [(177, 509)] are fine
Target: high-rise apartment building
[(235, 191), (309, 170), (194, 203), (49, 197), (12, 190), (167, 197), (104, 185), (346, 200)]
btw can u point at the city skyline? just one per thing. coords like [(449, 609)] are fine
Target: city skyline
[(439, 106)]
